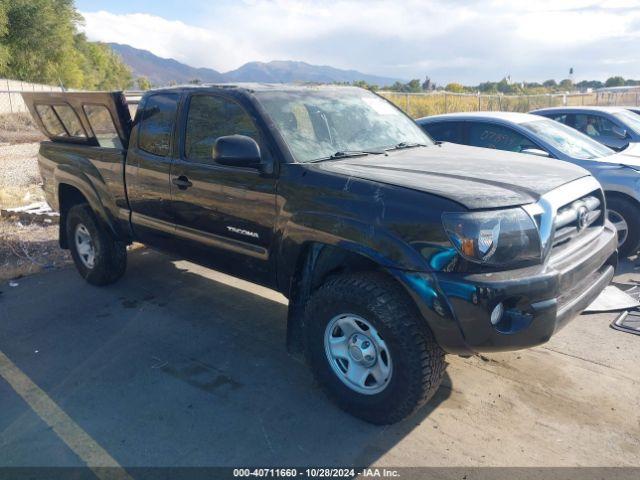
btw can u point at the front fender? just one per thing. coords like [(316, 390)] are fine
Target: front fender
[(394, 256), (369, 240)]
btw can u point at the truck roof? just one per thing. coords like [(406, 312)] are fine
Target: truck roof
[(257, 87)]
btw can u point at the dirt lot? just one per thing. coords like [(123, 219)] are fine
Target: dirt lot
[(24, 248), (19, 175)]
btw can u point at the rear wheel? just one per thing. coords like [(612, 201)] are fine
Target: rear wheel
[(98, 256), (370, 350), (625, 216)]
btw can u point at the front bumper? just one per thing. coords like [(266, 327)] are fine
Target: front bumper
[(537, 300)]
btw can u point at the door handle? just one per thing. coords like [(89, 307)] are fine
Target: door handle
[(182, 182)]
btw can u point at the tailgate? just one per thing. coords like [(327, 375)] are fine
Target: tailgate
[(98, 119)]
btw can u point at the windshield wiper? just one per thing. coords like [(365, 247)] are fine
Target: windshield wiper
[(402, 145), (348, 154)]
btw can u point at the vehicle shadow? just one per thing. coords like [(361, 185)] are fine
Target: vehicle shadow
[(176, 365)]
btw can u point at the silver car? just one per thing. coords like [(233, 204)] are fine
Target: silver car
[(615, 127), (619, 173)]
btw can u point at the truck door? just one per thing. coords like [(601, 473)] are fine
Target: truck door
[(224, 215), (148, 167)]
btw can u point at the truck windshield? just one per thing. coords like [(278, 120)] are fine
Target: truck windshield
[(569, 141), (318, 122)]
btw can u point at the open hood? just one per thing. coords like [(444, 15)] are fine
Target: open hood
[(88, 118)]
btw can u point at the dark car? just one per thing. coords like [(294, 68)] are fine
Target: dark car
[(615, 127), (392, 250), (619, 173)]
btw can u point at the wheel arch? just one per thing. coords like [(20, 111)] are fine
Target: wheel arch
[(315, 263), (621, 195), (71, 193), (632, 241)]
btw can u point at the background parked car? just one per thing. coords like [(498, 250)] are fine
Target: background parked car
[(615, 127), (619, 173)]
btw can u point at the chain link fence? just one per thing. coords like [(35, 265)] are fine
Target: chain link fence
[(424, 104), (11, 98), (415, 104)]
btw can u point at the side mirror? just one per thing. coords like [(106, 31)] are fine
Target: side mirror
[(535, 151), (237, 151), (619, 132)]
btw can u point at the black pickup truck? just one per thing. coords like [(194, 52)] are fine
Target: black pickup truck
[(392, 250)]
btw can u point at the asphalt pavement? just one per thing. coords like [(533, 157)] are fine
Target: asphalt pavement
[(177, 365)]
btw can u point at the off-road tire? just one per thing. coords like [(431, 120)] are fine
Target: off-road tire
[(110, 254), (418, 361), (631, 215)]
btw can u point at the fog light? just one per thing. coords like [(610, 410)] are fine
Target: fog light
[(496, 314)]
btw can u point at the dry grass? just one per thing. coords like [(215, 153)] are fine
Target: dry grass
[(19, 128), (29, 248), (11, 197), (422, 105)]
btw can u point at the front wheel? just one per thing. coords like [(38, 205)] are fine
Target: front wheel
[(99, 257), (626, 218), (370, 350)]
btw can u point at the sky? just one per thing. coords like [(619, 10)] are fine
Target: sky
[(450, 41)]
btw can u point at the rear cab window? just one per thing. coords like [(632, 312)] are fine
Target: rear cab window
[(444, 131), (157, 119)]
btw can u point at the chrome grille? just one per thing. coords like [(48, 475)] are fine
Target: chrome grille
[(575, 218)]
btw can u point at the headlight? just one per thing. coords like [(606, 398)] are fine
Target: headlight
[(497, 237)]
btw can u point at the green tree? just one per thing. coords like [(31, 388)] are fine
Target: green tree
[(39, 42), (414, 85), (363, 84), (455, 88), (566, 85), (143, 83), (584, 84), (550, 83), (614, 82), (488, 87), (4, 51)]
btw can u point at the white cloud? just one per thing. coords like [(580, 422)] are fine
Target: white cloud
[(459, 40), (196, 46)]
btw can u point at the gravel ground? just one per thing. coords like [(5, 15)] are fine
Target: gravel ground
[(19, 175), (24, 248), (19, 164)]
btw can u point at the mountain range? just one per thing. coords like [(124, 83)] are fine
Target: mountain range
[(165, 71)]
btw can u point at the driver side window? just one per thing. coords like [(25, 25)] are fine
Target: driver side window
[(210, 117), (594, 125), (487, 135)]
